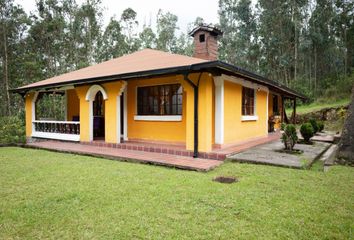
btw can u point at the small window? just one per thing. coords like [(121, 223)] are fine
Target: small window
[(202, 38), (275, 105), (247, 101), (160, 100)]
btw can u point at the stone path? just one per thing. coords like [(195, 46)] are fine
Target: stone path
[(271, 154)]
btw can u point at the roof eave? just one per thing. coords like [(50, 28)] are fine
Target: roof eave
[(173, 70)]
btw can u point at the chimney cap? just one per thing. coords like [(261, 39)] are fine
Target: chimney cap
[(206, 27)]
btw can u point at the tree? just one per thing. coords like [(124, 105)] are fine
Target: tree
[(166, 28), (13, 24), (113, 41), (130, 24), (147, 37), (239, 42)]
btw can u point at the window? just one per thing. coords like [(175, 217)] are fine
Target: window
[(160, 100), (247, 101), (275, 105), (202, 38)]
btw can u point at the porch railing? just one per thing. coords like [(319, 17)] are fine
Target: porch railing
[(61, 130)]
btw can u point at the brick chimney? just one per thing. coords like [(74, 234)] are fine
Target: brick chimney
[(206, 41)]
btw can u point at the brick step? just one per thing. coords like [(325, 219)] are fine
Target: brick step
[(158, 149)]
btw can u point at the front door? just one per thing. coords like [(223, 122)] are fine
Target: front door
[(98, 117)]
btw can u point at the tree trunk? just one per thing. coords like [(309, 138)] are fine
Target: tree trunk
[(6, 73), (315, 80)]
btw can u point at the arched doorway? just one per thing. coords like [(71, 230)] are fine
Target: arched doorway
[(98, 117)]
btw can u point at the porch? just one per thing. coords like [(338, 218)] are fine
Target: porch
[(153, 153)]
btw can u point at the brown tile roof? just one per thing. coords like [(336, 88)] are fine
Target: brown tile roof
[(143, 60)]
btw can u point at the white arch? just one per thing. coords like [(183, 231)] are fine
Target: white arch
[(93, 90), (90, 96)]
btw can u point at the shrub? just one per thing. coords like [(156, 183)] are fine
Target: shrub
[(306, 131), (314, 125), (12, 130), (320, 125), (282, 126), (289, 137)]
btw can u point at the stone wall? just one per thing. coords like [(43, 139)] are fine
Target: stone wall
[(325, 114)]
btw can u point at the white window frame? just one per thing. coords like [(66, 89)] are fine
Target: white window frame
[(157, 118), (253, 117)]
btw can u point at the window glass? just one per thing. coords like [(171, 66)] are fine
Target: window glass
[(247, 101), (160, 100)]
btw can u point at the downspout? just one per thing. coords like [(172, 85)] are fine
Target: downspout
[(196, 98)]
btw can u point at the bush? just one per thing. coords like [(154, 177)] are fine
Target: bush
[(282, 126), (306, 131), (289, 137), (314, 125), (320, 125), (12, 130)]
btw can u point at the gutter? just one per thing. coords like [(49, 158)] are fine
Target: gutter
[(196, 117)]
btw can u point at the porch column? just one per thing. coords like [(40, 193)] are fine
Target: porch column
[(112, 111), (294, 111), (85, 112), (188, 91), (205, 112), (219, 110), (30, 108), (282, 109)]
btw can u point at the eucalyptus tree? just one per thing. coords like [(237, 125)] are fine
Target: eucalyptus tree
[(113, 41), (13, 25), (166, 31)]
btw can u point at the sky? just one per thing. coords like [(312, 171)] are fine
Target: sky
[(186, 10)]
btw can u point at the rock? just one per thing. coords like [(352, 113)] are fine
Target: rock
[(345, 154)]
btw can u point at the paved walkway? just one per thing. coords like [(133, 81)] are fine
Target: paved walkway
[(272, 154), (244, 145), (181, 162)]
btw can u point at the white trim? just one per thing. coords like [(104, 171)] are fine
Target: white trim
[(66, 105), (244, 83), (91, 93), (51, 121), (267, 114), (58, 136), (34, 109), (118, 110), (125, 112), (249, 118), (164, 118), (90, 120), (219, 110), (118, 119), (255, 102)]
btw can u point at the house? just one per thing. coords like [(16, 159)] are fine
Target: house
[(196, 102)]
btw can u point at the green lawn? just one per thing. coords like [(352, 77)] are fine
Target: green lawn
[(316, 106), (62, 196)]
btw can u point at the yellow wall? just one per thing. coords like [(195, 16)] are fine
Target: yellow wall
[(84, 113), (73, 104), (180, 131), (112, 89), (205, 113), (154, 130), (28, 107), (236, 130)]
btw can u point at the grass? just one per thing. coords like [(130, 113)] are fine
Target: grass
[(61, 196), (316, 106)]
